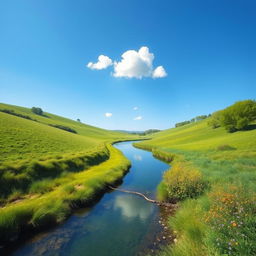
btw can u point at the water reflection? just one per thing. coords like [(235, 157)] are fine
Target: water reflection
[(137, 157), (119, 224), (132, 207)]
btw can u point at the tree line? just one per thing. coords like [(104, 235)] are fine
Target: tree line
[(195, 119)]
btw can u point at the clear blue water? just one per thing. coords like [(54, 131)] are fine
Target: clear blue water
[(119, 224)]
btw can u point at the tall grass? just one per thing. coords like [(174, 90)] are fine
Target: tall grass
[(220, 218), (54, 206)]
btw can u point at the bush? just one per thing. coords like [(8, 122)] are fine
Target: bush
[(62, 127), (11, 112), (37, 111), (183, 181), (214, 120), (235, 117)]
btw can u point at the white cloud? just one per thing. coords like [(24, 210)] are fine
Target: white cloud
[(159, 72), (103, 62), (133, 64), (137, 118), (108, 114), (135, 108)]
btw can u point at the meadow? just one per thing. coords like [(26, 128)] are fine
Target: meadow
[(46, 171), (212, 178)]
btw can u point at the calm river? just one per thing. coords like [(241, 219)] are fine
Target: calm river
[(119, 224)]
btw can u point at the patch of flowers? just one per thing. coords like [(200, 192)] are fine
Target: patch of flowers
[(232, 219)]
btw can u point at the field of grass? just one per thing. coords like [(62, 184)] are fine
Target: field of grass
[(25, 139), (213, 177), (46, 171)]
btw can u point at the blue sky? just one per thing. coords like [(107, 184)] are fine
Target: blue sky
[(206, 47)]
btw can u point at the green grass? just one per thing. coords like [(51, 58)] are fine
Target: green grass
[(208, 224), (25, 139), (34, 150), (71, 191), (46, 171)]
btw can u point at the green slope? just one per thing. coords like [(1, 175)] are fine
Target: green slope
[(200, 137), (23, 139), (46, 172), (212, 177)]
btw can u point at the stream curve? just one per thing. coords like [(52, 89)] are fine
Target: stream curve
[(118, 225)]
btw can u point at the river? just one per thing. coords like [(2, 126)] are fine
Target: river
[(119, 224)]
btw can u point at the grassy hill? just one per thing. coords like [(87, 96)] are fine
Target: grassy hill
[(26, 139), (200, 137), (50, 165), (212, 177)]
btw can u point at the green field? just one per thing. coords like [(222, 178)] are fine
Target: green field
[(46, 171), (213, 177), (25, 139)]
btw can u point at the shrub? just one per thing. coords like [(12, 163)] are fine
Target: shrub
[(11, 112), (214, 120), (62, 127), (183, 181), (37, 111)]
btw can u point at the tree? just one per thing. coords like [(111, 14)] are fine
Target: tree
[(214, 120), (235, 117), (199, 118), (37, 111), (78, 120)]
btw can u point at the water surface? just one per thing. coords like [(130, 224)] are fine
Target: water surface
[(119, 224)]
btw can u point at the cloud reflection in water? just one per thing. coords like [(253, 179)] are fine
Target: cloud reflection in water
[(132, 207)]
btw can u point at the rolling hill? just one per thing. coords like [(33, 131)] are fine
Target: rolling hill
[(50, 165), (212, 178)]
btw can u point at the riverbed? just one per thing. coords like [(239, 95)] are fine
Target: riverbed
[(119, 224)]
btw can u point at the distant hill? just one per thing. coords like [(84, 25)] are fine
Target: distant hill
[(146, 132)]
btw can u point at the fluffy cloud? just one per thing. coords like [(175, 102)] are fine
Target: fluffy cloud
[(103, 62), (108, 114), (135, 108), (137, 118), (159, 72), (133, 64)]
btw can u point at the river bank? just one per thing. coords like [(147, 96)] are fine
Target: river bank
[(119, 224)]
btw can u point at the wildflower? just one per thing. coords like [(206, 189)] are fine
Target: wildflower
[(234, 224)]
